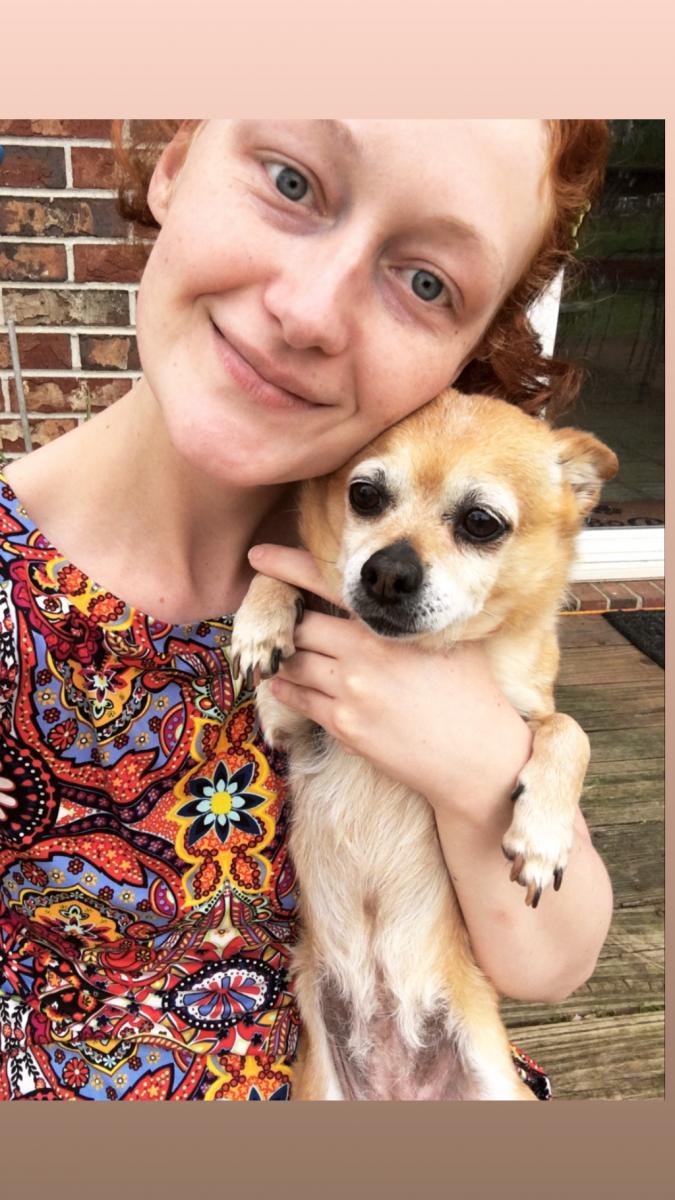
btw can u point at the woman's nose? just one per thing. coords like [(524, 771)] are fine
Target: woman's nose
[(315, 295)]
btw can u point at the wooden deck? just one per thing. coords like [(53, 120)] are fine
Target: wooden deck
[(606, 1041)]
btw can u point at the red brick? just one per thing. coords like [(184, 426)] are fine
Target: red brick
[(55, 395), (53, 306), (32, 217), (108, 353), (649, 590), (118, 263), (53, 128), (42, 431), (590, 597), (33, 167), (38, 350), (619, 596), (93, 167), (23, 262)]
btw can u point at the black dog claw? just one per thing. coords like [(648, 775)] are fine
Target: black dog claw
[(249, 679), (557, 876), (299, 609), (275, 660), (517, 791), (535, 898)]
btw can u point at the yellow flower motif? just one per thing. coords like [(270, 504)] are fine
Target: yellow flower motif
[(141, 739), (152, 1057), (57, 876), (96, 1082), (121, 1080)]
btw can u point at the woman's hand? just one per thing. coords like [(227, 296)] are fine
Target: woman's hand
[(434, 721)]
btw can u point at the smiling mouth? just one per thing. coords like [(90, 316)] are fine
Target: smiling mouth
[(250, 378)]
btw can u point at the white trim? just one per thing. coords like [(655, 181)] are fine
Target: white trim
[(609, 554), (63, 193), (69, 166), (73, 239), (48, 373), (27, 139), (64, 285), (89, 330)]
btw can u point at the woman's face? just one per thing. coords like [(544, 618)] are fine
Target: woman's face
[(315, 281)]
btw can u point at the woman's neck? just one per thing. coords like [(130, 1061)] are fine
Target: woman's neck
[(117, 500)]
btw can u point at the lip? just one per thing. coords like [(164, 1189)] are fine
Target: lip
[(256, 377)]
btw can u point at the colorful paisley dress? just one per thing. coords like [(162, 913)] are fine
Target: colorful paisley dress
[(147, 900)]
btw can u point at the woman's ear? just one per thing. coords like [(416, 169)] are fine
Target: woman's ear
[(168, 169)]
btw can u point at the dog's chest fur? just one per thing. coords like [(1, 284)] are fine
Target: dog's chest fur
[(375, 893)]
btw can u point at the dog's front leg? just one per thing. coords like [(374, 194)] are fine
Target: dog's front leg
[(546, 798), (262, 635)]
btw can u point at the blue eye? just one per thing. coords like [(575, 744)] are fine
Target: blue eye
[(426, 286), (291, 183)]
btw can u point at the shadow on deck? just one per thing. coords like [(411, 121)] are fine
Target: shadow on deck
[(606, 1041)]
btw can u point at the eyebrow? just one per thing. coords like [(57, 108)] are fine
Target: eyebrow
[(341, 133), (469, 233)]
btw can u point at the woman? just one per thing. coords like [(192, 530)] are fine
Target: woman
[(312, 283)]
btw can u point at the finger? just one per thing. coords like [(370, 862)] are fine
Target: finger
[(6, 783), (325, 634), (309, 670), (306, 701), (293, 566)]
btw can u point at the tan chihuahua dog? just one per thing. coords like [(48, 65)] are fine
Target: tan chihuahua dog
[(459, 522)]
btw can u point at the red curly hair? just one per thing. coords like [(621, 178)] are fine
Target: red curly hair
[(508, 362)]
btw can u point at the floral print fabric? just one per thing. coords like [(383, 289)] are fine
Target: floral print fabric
[(146, 897)]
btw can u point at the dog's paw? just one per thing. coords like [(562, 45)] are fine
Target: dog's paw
[(537, 842), (263, 635)]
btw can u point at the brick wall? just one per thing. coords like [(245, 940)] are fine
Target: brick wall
[(69, 270)]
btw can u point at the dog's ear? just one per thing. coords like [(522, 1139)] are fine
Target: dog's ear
[(586, 464)]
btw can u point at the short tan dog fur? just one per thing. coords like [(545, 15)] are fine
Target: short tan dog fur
[(459, 522)]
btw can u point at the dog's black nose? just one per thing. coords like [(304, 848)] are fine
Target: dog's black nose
[(392, 574)]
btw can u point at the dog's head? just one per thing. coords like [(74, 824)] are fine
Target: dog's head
[(456, 519)]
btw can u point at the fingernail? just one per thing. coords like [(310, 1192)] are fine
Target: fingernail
[(256, 553)]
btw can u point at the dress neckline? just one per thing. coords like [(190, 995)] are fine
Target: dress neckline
[(20, 513)]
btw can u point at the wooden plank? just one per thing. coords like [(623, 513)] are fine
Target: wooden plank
[(628, 978), (599, 665), (590, 630), (612, 706), (636, 742), (625, 767), (618, 799), (599, 1058), (634, 857)]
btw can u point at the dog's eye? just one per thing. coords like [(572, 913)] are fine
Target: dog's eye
[(365, 498), (480, 525)]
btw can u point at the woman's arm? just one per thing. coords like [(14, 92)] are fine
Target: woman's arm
[(440, 724), (530, 954)]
